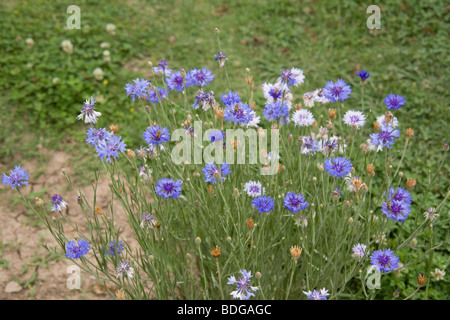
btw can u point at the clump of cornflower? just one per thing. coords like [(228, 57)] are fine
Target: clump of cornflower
[(295, 202), (253, 188), (243, 289), (290, 77), (337, 91), (109, 148), (230, 98), (364, 75), (58, 204), (75, 250), (303, 118), (239, 113), (88, 112), (276, 110), (125, 268), (205, 99), (196, 77), (147, 220), (138, 89), (397, 207), (309, 146), (338, 166), (155, 135), (168, 188), (212, 173), (384, 260), (95, 135), (317, 295), (354, 119), (220, 56), (263, 204), (162, 68), (394, 102), (385, 138), (359, 250), (175, 81), (114, 248), (17, 177), (156, 95)]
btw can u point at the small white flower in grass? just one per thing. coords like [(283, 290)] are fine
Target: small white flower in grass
[(438, 274), (67, 46), (111, 28), (98, 74)]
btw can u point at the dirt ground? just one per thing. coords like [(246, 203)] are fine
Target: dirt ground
[(27, 270)]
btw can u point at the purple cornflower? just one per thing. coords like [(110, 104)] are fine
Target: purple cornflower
[(88, 112), (200, 78), (147, 220), (213, 174), (168, 188), (263, 204), (205, 99), (364, 75), (156, 135), (317, 295), (109, 148), (175, 81), (338, 166), (157, 95), (220, 56), (125, 268), (276, 110), (242, 291), (394, 102), (290, 77), (400, 195), (384, 260), (396, 210), (58, 204), (386, 137), (138, 89), (230, 98), (76, 250), (239, 113), (95, 135), (114, 248), (295, 202), (162, 68), (359, 250), (18, 177), (330, 146), (309, 146), (337, 91)]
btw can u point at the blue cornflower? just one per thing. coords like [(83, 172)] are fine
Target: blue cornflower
[(168, 188), (95, 135), (338, 166), (216, 135), (114, 248), (337, 91), (295, 202), (386, 136), (156, 95), (394, 102), (138, 89), (197, 77), (76, 250), (213, 174), (384, 260), (175, 81), (205, 99), (230, 98), (110, 147), (364, 75), (264, 204), (309, 146), (276, 110), (18, 177), (156, 135), (242, 291), (162, 68), (88, 112), (290, 77), (400, 195), (317, 295), (147, 220), (396, 210), (58, 204), (220, 56), (239, 113)]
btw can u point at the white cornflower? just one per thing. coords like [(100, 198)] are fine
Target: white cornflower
[(88, 112), (359, 250), (290, 77), (393, 123), (372, 147), (253, 189), (431, 214), (303, 118), (320, 97), (354, 119), (254, 120), (125, 267), (308, 99)]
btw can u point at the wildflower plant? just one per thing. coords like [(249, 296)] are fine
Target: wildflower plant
[(338, 217)]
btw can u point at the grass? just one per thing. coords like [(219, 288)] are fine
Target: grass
[(328, 40)]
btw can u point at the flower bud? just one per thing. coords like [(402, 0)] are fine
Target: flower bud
[(198, 241)]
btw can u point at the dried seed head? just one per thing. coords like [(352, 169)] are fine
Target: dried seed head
[(370, 169), (409, 132), (388, 117), (210, 189), (98, 210), (131, 154), (421, 279), (39, 202), (410, 183), (250, 223), (120, 294), (332, 113), (296, 252), (114, 128), (376, 126), (215, 252)]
